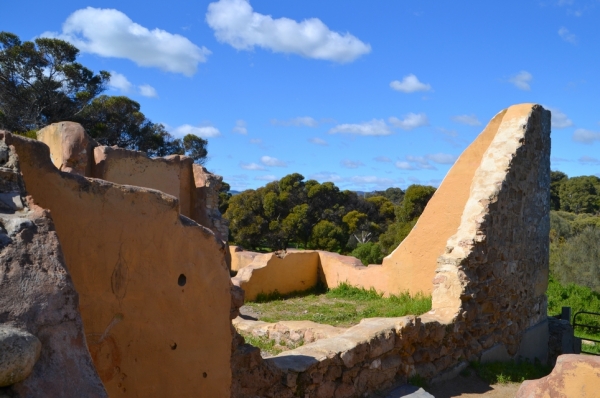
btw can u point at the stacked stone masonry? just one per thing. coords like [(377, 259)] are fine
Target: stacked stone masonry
[(488, 297)]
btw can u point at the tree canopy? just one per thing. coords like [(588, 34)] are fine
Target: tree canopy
[(41, 83)]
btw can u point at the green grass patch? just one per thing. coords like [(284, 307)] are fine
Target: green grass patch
[(510, 372), (342, 306), (269, 346)]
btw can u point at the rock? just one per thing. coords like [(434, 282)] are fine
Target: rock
[(37, 295), (573, 376), (70, 146), (19, 350)]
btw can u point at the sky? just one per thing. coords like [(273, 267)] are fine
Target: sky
[(367, 94)]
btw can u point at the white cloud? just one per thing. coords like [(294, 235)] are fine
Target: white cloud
[(240, 127), (567, 36), (326, 176), (441, 158), (256, 141), (374, 127), (470, 120), (372, 180), (273, 162), (521, 80), (297, 121), (111, 33), (410, 121), (200, 131), (119, 82), (409, 84), (586, 136), (251, 166), (405, 166), (421, 162), (148, 91), (589, 160), (268, 177), (235, 23), (414, 179), (383, 159), (559, 119), (351, 164), (318, 141)]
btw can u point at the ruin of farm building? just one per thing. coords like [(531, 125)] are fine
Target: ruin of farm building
[(115, 269)]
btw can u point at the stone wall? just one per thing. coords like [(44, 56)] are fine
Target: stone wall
[(153, 285), (488, 291), (38, 303)]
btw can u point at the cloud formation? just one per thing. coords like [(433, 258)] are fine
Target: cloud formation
[(559, 119), (521, 80), (588, 160), (251, 166), (318, 141), (111, 33), (268, 178), (470, 120), (441, 158), (148, 91), (272, 162), (374, 127), (410, 121), (382, 159), (297, 121), (409, 84), (351, 164), (200, 131), (235, 23), (567, 36), (119, 82), (240, 127), (326, 176), (586, 136)]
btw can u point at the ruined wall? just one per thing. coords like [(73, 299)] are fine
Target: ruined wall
[(206, 202), (488, 293), (285, 272), (71, 149), (240, 258), (171, 174), (37, 298), (154, 289)]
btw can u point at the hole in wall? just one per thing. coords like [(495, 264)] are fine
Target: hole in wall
[(181, 281), (204, 374), (173, 345)]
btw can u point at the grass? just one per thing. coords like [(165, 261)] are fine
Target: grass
[(269, 346), (579, 298), (342, 306), (510, 372)]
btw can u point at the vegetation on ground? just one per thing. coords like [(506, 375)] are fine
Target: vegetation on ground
[(270, 346), (42, 83), (511, 371), (342, 306)]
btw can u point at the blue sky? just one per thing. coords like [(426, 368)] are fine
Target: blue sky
[(365, 94)]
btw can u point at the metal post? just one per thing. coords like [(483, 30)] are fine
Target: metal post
[(566, 314)]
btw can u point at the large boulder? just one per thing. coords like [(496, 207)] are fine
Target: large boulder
[(37, 296), (19, 350), (573, 376)]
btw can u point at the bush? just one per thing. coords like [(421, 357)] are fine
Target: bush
[(577, 260), (368, 253)]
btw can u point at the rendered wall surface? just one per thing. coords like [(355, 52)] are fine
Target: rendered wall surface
[(295, 271), (240, 258), (171, 174), (154, 289), (70, 147)]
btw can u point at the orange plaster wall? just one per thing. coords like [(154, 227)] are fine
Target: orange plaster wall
[(172, 174), (297, 271), (411, 267), (126, 248)]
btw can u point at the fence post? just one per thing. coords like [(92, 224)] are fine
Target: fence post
[(566, 314)]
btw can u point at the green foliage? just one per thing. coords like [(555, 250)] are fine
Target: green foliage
[(577, 260), (269, 346), (342, 306), (327, 236), (556, 179), (41, 83), (195, 147), (580, 194), (394, 195), (418, 381), (579, 298), (368, 253), (394, 235), (224, 196), (415, 200), (510, 372), (29, 134)]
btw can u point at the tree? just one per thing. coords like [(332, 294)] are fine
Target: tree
[(556, 179), (40, 83), (224, 196), (327, 236), (580, 194), (415, 199), (368, 253), (195, 147), (247, 223)]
